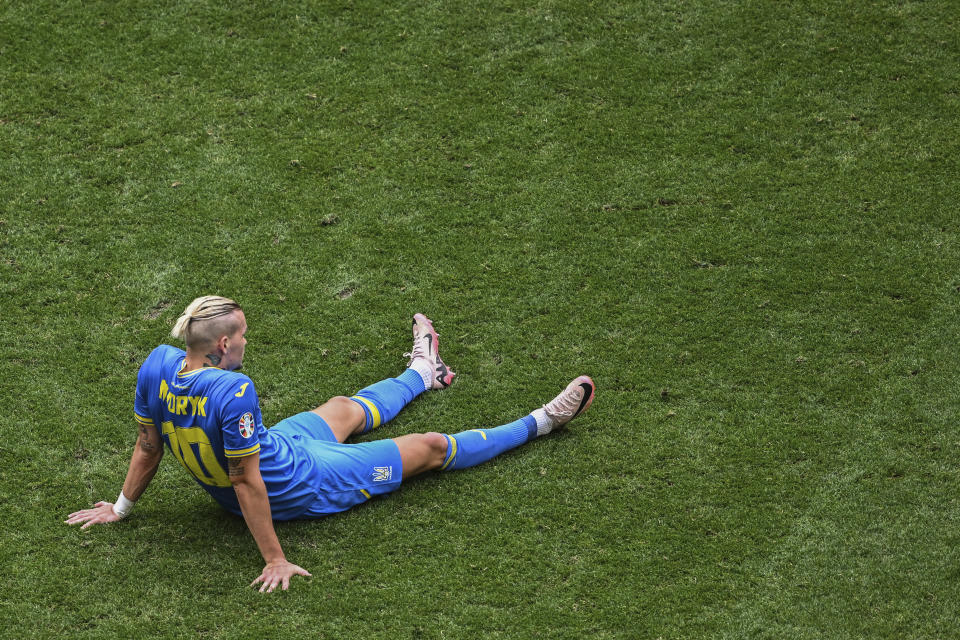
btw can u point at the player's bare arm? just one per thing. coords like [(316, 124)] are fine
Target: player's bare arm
[(144, 463), (244, 474)]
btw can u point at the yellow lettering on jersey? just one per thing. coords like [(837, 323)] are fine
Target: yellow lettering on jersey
[(243, 390), (180, 440), (183, 405)]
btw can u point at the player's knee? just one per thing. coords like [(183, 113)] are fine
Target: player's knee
[(436, 443), (336, 402), (343, 415), (421, 452), (341, 405)]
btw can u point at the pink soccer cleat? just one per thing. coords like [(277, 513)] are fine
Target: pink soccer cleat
[(426, 356), (572, 401)]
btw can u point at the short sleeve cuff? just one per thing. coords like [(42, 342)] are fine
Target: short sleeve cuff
[(241, 453)]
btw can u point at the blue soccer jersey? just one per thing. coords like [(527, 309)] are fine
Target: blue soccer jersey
[(208, 415)]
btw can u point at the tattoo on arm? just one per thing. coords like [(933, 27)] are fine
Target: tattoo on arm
[(145, 443), (234, 468), (214, 358)]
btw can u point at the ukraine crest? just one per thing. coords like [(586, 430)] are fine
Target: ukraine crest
[(382, 474)]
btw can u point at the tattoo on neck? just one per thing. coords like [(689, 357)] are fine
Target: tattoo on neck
[(214, 358)]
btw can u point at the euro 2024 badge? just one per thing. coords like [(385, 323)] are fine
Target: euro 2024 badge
[(246, 425)]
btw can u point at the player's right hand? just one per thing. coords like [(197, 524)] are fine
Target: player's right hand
[(101, 513), (278, 574)]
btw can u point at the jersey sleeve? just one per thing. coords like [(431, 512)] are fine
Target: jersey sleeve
[(238, 419), (141, 409)]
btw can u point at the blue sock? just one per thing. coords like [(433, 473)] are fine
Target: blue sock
[(383, 400), (469, 448)]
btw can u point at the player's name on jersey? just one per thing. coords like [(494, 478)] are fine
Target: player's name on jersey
[(183, 405)]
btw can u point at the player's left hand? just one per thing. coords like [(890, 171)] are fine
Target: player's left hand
[(101, 513), (278, 573)]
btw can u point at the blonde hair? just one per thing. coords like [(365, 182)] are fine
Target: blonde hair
[(205, 320)]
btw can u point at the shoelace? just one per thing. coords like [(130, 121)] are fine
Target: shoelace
[(419, 351), (562, 405)]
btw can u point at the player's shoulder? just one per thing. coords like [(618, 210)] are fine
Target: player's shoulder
[(162, 355), (233, 394), (233, 382), (165, 352)]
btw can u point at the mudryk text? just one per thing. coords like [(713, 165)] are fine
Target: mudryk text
[(183, 405)]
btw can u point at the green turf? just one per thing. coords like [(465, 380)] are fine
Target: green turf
[(739, 217)]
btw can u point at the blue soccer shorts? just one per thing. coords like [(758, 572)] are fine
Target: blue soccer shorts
[(344, 475)]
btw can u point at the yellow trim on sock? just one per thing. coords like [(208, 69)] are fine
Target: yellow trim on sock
[(374, 412), (453, 453), (481, 432)]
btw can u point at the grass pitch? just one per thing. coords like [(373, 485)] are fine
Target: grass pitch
[(739, 218)]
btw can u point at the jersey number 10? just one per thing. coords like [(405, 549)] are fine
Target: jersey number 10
[(181, 440)]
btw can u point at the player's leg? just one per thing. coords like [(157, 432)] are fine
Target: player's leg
[(421, 452), (343, 416), (346, 475), (379, 403)]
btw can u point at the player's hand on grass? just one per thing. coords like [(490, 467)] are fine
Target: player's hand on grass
[(278, 573), (101, 513)]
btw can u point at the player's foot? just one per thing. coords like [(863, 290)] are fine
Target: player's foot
[(572, 401), (425, 357)]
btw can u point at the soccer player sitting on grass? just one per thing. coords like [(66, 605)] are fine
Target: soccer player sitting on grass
[(208, 415)]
